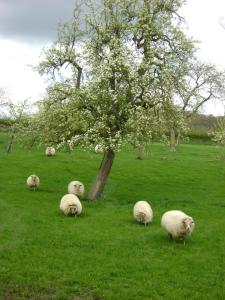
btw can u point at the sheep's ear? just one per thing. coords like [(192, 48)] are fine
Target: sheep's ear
[(184, 221)]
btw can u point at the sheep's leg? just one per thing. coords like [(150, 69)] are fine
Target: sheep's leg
[(170, 236), (182, 239)]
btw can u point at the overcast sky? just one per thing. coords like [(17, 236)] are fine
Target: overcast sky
[(26, 26)]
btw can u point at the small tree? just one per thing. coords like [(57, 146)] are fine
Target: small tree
[(172, 122), (219, 131), (17, 113), (2, 95), (3, 100), (118, 60), (199, 84)]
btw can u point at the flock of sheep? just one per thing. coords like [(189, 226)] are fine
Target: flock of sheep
[(177, 224)]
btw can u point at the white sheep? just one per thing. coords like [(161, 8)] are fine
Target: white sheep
[(143, 212), (99, 149), (50, 151), (76, 188), (33, 181), (70, 205), (177, 224)]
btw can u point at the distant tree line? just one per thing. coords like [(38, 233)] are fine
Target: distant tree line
[(200, 126), (5, 123)]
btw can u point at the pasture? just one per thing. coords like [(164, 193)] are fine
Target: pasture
[(104, 253)]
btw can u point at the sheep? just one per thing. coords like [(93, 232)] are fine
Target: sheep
[(70, 205), (177, 224), (76, 188), (143, 212), (99, 149), (33, 181), (50, 151)]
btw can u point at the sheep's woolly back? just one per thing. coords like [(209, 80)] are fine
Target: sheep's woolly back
[(70, 205), (33, 181), (143, 212), (50, 151), (76, 188), (99, 149), (177, 224)]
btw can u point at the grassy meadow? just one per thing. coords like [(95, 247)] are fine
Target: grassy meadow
[(104, 253)]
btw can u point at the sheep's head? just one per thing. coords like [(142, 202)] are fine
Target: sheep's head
[(77, 186), (50, 151), (142, 217), (34, 179), (188, 225), (72, 210)]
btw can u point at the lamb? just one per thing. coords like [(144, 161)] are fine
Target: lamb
[(143, 212), (99, 149), (33, 181), (76, 188), (177, 224), (50, 151), (70, 205)]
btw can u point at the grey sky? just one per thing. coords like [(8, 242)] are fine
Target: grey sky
[(33, 20), (27, 26)]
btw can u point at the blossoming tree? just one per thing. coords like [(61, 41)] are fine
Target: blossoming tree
[(108, 68)]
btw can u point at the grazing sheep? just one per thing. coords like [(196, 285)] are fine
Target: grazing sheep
[(177, 224), (50, 151), (70, 205), (33, 181), (142, 212), (76, 188), (99, 149)]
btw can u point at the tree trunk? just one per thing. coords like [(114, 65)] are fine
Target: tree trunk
[(172, 140), (100, 181), (178, 138), (140, 152), (10, 143)]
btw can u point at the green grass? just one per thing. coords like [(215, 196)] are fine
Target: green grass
[(104, 253)]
